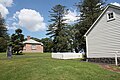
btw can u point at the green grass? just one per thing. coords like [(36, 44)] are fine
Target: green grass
[(42, 67)]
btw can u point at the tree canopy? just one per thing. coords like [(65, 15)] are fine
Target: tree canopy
[(57, 28), (4, 37), (68, 37), (17, 41), (89, 11)]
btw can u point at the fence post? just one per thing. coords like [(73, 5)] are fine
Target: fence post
[(116, 62)]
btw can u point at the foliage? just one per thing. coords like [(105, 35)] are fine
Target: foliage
[(73, 37), (36, 66), (89, 11), (4, 37), (48, 44), (3, 29), (17, 41), (57, 28), (36, 39), (3, 44)]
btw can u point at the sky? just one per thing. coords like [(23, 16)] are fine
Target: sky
[(33, 16)]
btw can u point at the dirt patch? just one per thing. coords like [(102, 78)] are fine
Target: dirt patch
[(111, 67)]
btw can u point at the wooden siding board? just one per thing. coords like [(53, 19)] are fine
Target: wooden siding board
[(104, 39)]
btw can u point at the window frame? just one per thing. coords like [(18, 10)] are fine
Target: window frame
[(109, 15), (33, 47)]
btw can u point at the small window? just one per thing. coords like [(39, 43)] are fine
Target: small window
[(33, 46), (110, 16)]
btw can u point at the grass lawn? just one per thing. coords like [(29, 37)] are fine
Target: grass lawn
[(43, 67)]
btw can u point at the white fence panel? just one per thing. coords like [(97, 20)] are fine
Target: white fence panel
[(66, 55)]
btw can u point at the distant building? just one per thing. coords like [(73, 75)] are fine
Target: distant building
[(31, 45)]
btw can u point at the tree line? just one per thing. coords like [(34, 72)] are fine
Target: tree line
[(4, 37), (66, 37), (63, 37)]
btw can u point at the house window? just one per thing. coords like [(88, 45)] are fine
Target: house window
[(33, 46), (110, 16)]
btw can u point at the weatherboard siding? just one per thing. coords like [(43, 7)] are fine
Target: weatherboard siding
[(104, 39)]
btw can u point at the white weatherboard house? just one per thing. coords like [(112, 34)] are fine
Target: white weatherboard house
[(103, 37)]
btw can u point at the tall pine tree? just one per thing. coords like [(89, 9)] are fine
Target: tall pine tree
[(89, 11), (4, 37), (57, 28), (3, 29)]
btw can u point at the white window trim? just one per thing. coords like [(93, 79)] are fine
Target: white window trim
[(33, 47), (111, 18)]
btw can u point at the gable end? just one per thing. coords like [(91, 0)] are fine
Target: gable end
[(97, 20)]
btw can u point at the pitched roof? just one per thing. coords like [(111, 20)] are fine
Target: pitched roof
[(109, 5), (31, 41)]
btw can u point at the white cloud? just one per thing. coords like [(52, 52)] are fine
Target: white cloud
[(30, 19), (116, 4), (3, 10), (71, 17), (3, 7), (6, 3), (11, 24), (11, 27)]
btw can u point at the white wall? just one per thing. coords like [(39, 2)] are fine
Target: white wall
[(66, 55), (104, 39)]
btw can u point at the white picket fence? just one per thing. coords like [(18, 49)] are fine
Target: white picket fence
[(67, 55)]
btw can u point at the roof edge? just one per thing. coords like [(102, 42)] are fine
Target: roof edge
[(24, 42)]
